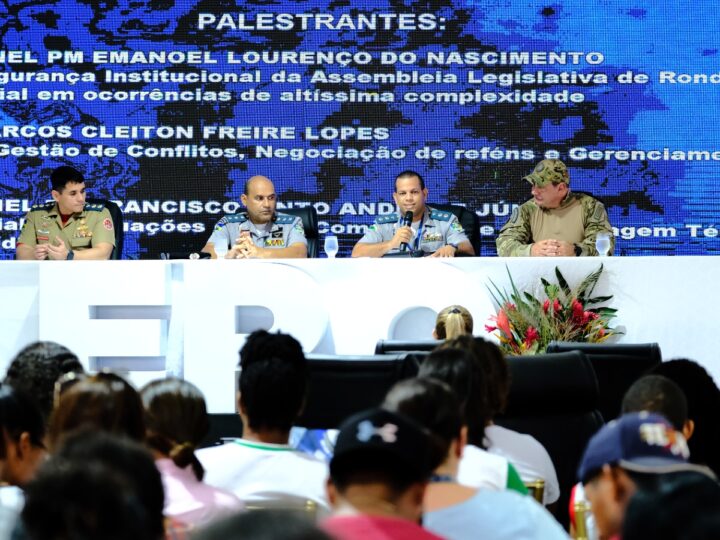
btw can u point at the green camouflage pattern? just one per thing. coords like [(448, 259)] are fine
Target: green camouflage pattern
[(548, 171), (515, 238)]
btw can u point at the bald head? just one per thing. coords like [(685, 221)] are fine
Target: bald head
[(259, 199)]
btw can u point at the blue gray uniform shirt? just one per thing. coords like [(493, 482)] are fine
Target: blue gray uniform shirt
[(284, 231), (439, 228)]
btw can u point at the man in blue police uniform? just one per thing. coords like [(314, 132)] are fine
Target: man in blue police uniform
[(259, 233), (433, 232)]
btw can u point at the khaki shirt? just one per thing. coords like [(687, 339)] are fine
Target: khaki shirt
[(577, 220), (92, 226)]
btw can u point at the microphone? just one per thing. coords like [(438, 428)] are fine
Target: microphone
[(406, 222)]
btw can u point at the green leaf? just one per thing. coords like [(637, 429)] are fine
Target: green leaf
[(598, 299), (563, 284), (588, 283)]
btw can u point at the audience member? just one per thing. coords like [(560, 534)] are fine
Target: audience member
[(176, 421), (102, 401), (262, 465), (628, 454), (703, 398), (453, 321), (488, 399), (129, 460), (21, 452), (655, 393), (482, 469), (378, 476), (685, 506), (37, 367), (265, 525), (455, 511)]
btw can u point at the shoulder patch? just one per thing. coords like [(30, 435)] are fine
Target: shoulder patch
[(284, 219), (236, 218), (515, 215), (440, 215), (44, 206), (94, 207), (387, 218)]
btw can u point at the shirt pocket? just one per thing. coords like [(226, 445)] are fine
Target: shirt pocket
[(80, 242)]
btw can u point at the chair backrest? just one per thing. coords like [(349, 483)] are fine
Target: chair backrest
[(343, 385), (310, 224), (617, 366), (467, 218), (292, 504), (554, 398), (394, 346), (117, 217)]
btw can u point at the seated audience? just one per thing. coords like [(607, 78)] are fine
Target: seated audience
[(452, 510), (525, 453), (21, 452), (482, 469), (378, 476), (126, 459), (703, 398), (686, 505), (37, 367), (627, 454), (265, 525), (176, 421), (262, 465), (453, 321), (103, 401)]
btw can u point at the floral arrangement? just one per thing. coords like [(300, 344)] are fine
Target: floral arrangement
[(526, 324)]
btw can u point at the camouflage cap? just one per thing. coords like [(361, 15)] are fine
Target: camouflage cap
[(547, 171)]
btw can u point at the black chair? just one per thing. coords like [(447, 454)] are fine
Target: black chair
[(392, 346), (310, 224), (554, 398), (617, 366), (343, 385), (117, 217), (467, 218)]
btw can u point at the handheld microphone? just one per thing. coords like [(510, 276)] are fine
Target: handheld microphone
[(406, 222)]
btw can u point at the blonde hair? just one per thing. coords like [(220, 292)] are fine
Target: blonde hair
[(453, 321)]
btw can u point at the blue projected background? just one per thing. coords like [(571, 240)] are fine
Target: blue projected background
[(161, 104)]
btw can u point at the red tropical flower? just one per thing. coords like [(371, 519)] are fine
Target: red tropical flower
[(556, 305), (546, 305), (531, 336), (503, 323)]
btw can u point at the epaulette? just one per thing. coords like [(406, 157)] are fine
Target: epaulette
[(284, 219), (94, 207), (387, 218), (240, 217), (440, 215), (43, 206)]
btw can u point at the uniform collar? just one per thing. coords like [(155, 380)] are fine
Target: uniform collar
[(55, 212)]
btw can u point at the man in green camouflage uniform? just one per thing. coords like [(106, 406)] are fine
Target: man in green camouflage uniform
[(555, 222), (68, 228)]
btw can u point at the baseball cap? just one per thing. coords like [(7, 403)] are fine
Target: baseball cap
[(387, 435), (547, 171), (642, 442)]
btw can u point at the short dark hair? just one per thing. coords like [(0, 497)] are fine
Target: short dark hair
[(266, 525), (102, 401), (656, 393), (176, 420), (273, 380), (64, 175), (36, 369), (18, 415), (409, 174), (130, 459), (454, 367), (432, 404)]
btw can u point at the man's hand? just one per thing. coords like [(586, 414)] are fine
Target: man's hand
[(40, 252), (565, 249), (402, 235), (445, 251), (552, 248), (57, 251)]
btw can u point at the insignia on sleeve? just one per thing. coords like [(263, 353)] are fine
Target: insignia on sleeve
[(108, 224), (515, 215), (455, 226)]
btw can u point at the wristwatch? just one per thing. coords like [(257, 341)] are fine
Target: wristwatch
[(70, 255), (578, 250)]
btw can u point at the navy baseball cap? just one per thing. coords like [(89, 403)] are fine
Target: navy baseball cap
[(383, 433), (642, 442)]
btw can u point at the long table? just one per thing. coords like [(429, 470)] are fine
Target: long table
[(190, 318)]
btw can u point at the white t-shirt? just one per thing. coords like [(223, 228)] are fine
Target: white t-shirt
[(527, 455), (259, 471), (481, 469)]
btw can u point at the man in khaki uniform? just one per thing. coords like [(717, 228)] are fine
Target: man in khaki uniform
[(68, 228), (555, 222)]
